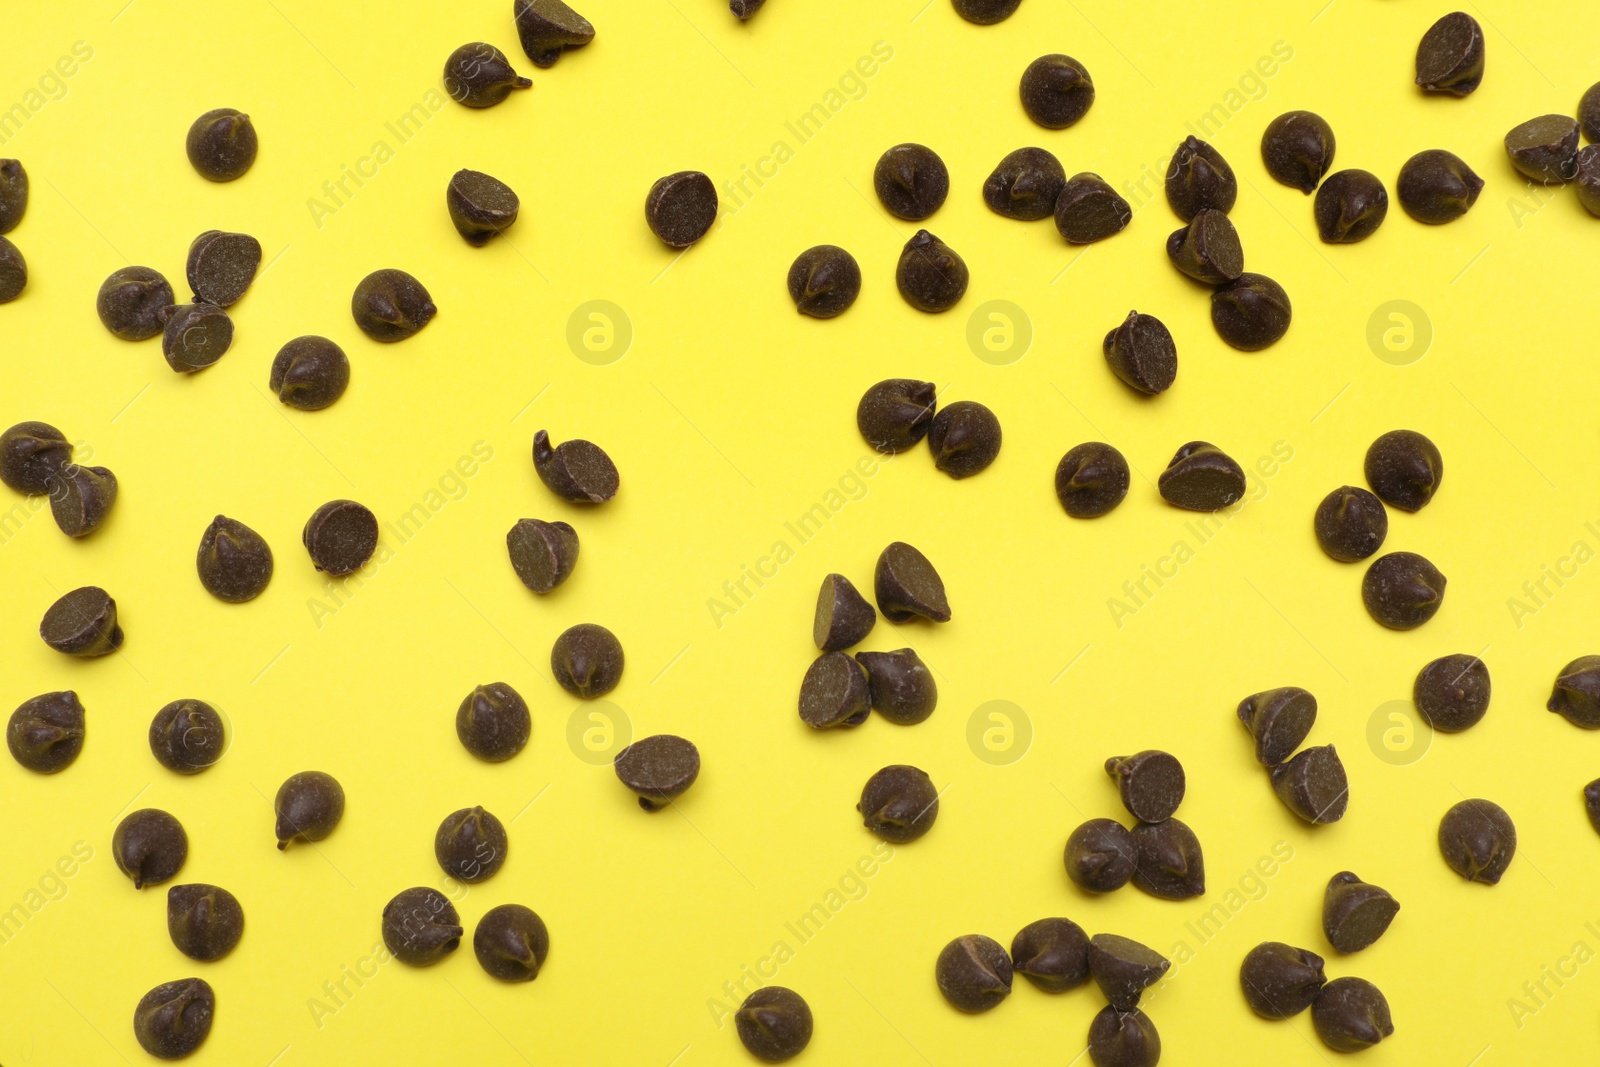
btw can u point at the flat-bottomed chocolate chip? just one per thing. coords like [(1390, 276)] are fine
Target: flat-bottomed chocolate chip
[(895, 414), (1402, 590), (194, 336), (1351, 524), (13, 194), (511, 943), (187, 736), (1278, 720), (390, 305), (1142, 354), (1576, 694), (1437, 187), (1452, 692), (843, 618), (911, 181), (577, 471), (493, 722), (149, 846), (45, 734), (774, 1023), (480, 206), (681, 208), (221, 266), (964, 438), (899, 804), (974, 973), (1199, 178), (1201, 477), (470, 845), (420, 926), (1151, 783), (824, 281), (82, 623), (542, 553), (174, 1019), (204, 921), (81, 498), (1450, 55), (1089, 210), (1350, 1014), (1123, 968), (1100, 856), (479, 75), (1545, 149), (1053, 954), (548, 28), (340, 536), (131, 301), (32, 452), (902, 688), (1350, 206), (1207, 249), (1168, 862), (222, 144), (907, 586), (234, 562), (1355, 913), (1123, 1039), (1477, 840), (1280, 981), (308, 807), (1313, 785), (1405, 469), (931, 276), (835, 692), (658, 769), (1297, 149), (309, 373), (1056, 91), (1251, 312), (1025, 185), (587, 660), (1091, 480)]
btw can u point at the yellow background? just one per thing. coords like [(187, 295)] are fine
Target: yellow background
[(731, 415)]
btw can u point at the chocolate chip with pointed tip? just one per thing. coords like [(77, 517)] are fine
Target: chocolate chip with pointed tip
[(1450, 55), (1279, 720), (1201, 477), (1025, 185), (131, 300), (1355, 913), (1251, 312), (659, 769), (1350, 524), (964, 438), (577, 471), (1142, 354), (1124, 968), (774, 1023), (308, 807), (1402, 590), (493, 722), (470, 845), (1545, 149), (834, 692), (174, 1019), (681, 208), (45, 734), (843, 617), (1452, 692), (1478, 840), (1280, 981), (895, 414), (1350, 1014), (931, 275), (899, 804), (511, 943), (906, 586), (194, 336), (234, 562), (542, 553), (548, 28), (587, 660), (1297, 149), (187, 736), (13, 194), (1436, 187), (309, 373), (1053, 954), (1313, 785), (1151, 783), (149, 846), (1091, 480), (911, 181), (30, 455), (1404, 468), (1100, 856), (1576, 694), (1056, 91), (221, 266), (1123, 1039), (479, 75), (901, 686), (81, 498), (1350, 206), (1169, 863), (390, 305), (1207, 249), (1199, 178), (13, 271), (222, 144), (974, 973), (420, 926), (82, 623), (1089, 210), (204, 921), (340, 537), (824, 281), (480, 206)]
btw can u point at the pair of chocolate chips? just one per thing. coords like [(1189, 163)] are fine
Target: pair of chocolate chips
[(1312, 784), (36, 458), (1030, 184), (897, 413), (13, 205), (421, 927), (1280, 981)]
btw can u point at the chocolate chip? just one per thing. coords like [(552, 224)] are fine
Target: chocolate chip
[(13, 271), (13, 194), (1123, 968), (204, 921), (1576, 695), (1280, 981), (1056, 91), (480, 75), (470, 845), (310, 373), (1089, 210), (221, 266), (493, 722), (1151, 783), (547, 28), (896, 414), (1142, 354), (1278, 719), (480, 206), (1251, 312), (931, 276), (1298, 148), (194, 336), (1591, 803), (1402, 590), (824, 281), (1123, 1039), (577, 471), (149, 846), (1405, 469), (1207, 249), (221, 144), (309, 806), (974, 973), (81, 498), (843, 618), (1201, 477), (174, 1018), (899, 804), (1168, 861), (1100, 856), (45, 733), (745, 9), (1437, 187), (1350, 1014), (32, 452), (906, 586), (341, 536), (1586, 186), (901, 686), (82, 623), (587, 660), (390, 305), (911, 181), (1351, 524), (985, 12), (964, 438), (1450, 55), (1452, 692), (1199, 178), (1313, 785), (774, 1023), (659, 769), (420, 926), (835, 692), (1355, 913), (511, 943), (1350, 206), (1091, 480), (1588, 120), (681, 208), (234, 562), (1053, 954), (1545, 149), (1025, 185), (542, 553), (131, 301), (187, 736)]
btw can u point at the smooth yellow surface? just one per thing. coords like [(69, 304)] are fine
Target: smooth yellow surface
[(730, 416)]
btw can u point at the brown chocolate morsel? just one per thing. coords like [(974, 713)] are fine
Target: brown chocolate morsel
[(902, 687), (174, 1018), (81, 498), (1404, 468), (974, 973), (930, 275), (1355, 913), (1588, 117), (835, 692), (1091, 480), (1151, 783), (204, 921), (659, 769), (681, 208), (13, 194), (824, 281), (985, 12), (45, 733), (479, 75), (13, 271), (470, 845), (1142, 354), (1350, 1014), (1053, 954), (511, 943), (546, 29), (1576, 694), (493, 722), (1297, 149), (1586, 186), (1201, 477), (1025, 185), (1591, 803), (587, 660), (964, 439), (1168, 862), (895, 414), (911, 181), (1280, 981), (187, 736), (480, 206), (1545, 149), (843, 618), (420, 926), (1056, 91), (1251, 312), (1436, 187), (1478, 840), (340, 536), (1089, 210), (194, 336), (774, 1023), (30, 455), (234, 562), (1123, 968), (744, 10), (1350, 206), (1279, 720), (131, 300), (222, 144), (390, 305), (1452, 692), (149, 846), (542, 553), (906, 586), (309, 373), (1207, 249), (1450, 55), (577, 471), (1100, 856), (1123, 1039), (1313, 785), (82, 623), (309, 806), (221, 266), (899, 804), (1199, 178), (1402, 590), (1350, 524)]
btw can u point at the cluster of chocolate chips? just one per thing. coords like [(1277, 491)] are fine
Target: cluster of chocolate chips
[(1160, 855), (1311, 783)]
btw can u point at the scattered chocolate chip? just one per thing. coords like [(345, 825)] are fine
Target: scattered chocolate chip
[(174, 1018), (931, 276), (1053, 954), (1588, 119), (1151, 783), (1576, 695), (1100, 856), (1591, 803), (1586, 185), (1450, 55), (1402, 590), (1297, 149), (149, 846), (587, 660), (309, 806), (470, 845), (744, 10), (899, 804), (1123, 968), (1251, 312), (310, 373), (542, 553), (420, 926), (824, 281), (204, 921), (974, 973), (1452, 692), (13, 271), (1350, 1014), (911, 181), (896, 414), (1351, 524), (81, 498), (187, 736), (1201, 477), (45, 733), (82, 623), (548, 28), (131, 301), (1123, 1039), (1025, 185), (221, 266), (1089, 210), (1355, 913), (659, 769), (843, 618), (681, 208), (480, 206), (1350, 206), (390, 305), (1142, 354), (1278, 719), (1545, 149), (340, 536), (1437, 187), (1404, 468), (1199, 178), (480, 75), (1313, 785), (1056, 91), (1091, 480), (1280, 981), (511, 943), (32, 452), (835, 692), (13, 194), (234, 562), (577, 471), (774, 1023), (901, 686), (964, 438), (1207, 249), (222, 144), (194, 336), (906, 586), (1168, 862), (493, 722)]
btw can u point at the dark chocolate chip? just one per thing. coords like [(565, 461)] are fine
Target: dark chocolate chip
[(824, 281), (1123, 1039), (1545, 149), (1251, 312), (1404, 468), (577, 471), (843, 618), (1089, 210), (1402, 590), (906, 586), (470, 845), (1452, 692), (131, 301), (1025, 185), (1151, 783), (1056, 91), (964, 438), (1091, 480), (204, 921), (931, 276), (493, 722), (310, 373), (221, 266), (896, 414), (149, 846), (1350, 206), (13, 194), (221, 144), (901, 686), (32, 452), (1450, 55), (390, 305), (1588, 119), (82, 623), (479, 75), (1591, 803), (45, 733), (341, 536), (480, 206), (835, 692), (174, 1018), (187, 736), (1351, 524), (587, 660), (1437, 187), (985, 12), (659, 769), (1278, 719), (511, 943), (1355, 913), (1350, 1014), (81, 498), (420, 926), (1477, 840), (547, 28), (1207, 249), (1280, 981), (899, 804), (1053, 954), (974, 973), (194, 336), (1168, 862), (234, 562), (1298, 148), (13, 271), (1100, 856), (1201, 477), (308, 806), (1313, 785), (1199, 178), (774, 1023), (542, 553), (1123, 968), (911, 181), (1142, 354), (681, 208), (1576, 694), (1586, 186)]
